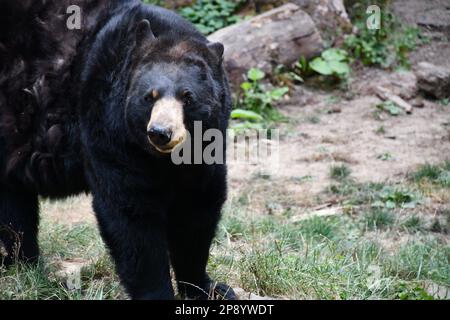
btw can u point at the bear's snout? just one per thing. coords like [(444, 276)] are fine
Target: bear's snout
[(159, 135), (166, 128)]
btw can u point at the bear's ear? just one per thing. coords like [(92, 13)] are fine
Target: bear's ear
[(217, 50), (144, 31)]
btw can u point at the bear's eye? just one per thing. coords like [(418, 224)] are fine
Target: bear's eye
[(187, 97), (152, 95)]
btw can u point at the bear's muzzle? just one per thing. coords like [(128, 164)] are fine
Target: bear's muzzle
[(166, 128)]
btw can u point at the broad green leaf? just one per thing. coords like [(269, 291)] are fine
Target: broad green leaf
[(390, 204), (245, 114), (279, 92), (239, 127), (246, 86), (334, 54), (255, 74), (393, 109), (321, 66), (339, 67)]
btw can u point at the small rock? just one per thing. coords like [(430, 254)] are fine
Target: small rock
[(417, 103), (334, 110), (69, 272), (433, 80)]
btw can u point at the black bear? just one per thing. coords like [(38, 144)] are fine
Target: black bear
[(98, 108)]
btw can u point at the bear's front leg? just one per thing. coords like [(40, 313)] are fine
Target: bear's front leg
[(19, 219), (132, 224), (193, 221), (138, 247)]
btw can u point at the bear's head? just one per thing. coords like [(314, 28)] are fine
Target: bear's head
[(175, 82)]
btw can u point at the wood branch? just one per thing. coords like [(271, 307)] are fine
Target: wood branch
[(385, 94), (279, 36)]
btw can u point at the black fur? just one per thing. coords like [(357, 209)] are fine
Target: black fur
[(72, 120)]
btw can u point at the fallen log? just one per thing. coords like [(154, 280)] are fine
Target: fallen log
[(279, 36)]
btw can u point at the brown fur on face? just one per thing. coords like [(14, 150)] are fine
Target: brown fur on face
[(169, 113)]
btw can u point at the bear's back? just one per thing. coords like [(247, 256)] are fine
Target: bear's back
[(41, 57), (42, 63)]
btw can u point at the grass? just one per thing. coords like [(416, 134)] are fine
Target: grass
[(375, 248), (326, 258), (413, 223), (59, 243), (378, 219), (354, 255), (436, 174), (339, 172)]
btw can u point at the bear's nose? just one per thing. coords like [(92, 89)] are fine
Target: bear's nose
[(159, 135)]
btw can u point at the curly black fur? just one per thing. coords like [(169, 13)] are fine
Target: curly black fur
[(65, 105)]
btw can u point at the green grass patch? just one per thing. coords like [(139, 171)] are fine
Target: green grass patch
[(58, 243), (421, 259), (436, 174), (372, 252), (334, 257), (373, 194), (413, 223), (339, 172), (378, 219)]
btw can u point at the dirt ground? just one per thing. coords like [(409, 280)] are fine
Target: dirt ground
[(323, 133)]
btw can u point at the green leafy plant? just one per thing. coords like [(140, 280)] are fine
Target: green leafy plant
[(211, 15), (385, 156), (444, 102), (332, 62), (385, 47), (394, 197), (255, 104), (414, 293), (389, 107), (286, 76), (302, 65), (380, 130)]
